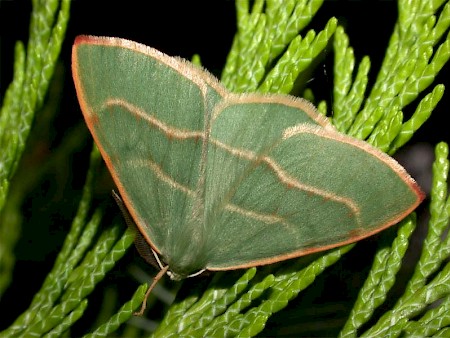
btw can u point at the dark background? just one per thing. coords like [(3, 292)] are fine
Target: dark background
[(184, 28)]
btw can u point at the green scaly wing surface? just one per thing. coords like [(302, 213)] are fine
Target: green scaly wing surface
[(219, 181), (148, 122), (293, 191)]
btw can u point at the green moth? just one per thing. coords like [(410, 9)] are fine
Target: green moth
[(218, 181)]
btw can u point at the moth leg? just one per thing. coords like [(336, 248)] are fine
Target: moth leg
[(160, 274), (198, 273), (156, 258)]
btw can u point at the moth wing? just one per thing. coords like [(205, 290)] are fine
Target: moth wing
[(282, 191), (146, 112)]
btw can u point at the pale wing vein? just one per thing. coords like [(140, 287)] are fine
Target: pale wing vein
[(162, 175), (265, 218), (171, 132)]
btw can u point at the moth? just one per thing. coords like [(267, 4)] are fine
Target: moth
[(217, 181)]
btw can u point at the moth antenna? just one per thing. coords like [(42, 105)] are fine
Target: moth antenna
[(156, 279), (140, 242), (124, 210)]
